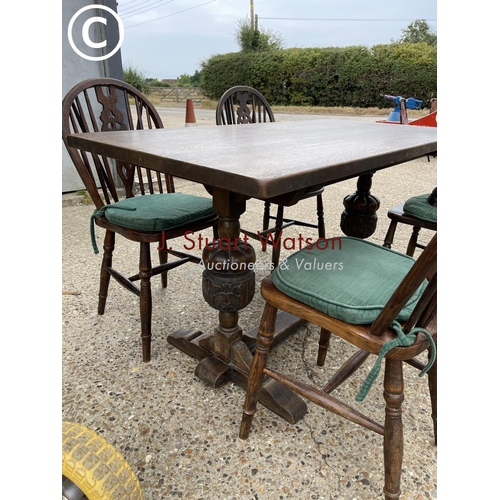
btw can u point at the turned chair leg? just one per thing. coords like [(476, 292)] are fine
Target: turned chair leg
[(324, 342), (412, 244), (432, 379), (163, 256), (256, 376), (267, 215), (107, 260), (145, 300), (277, 237), (321, 218), (265, 222), (393, 428), (389, 237)]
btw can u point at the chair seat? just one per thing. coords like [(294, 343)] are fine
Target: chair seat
[(159, 212), (328, 279), (397, 214), (419, 207), (357, 334)]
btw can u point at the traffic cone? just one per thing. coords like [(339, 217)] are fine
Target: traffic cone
[(190, 119)]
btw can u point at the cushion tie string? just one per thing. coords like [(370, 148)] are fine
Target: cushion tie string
[(100, 212), (402, 340)]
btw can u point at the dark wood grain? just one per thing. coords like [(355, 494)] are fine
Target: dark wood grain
[(285, 157)]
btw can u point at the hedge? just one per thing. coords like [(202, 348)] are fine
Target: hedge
[(355, 76)]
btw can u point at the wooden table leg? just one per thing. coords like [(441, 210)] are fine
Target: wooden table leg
[(229, 286), (359, 219)]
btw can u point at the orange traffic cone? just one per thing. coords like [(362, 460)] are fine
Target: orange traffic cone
[(190, 119)]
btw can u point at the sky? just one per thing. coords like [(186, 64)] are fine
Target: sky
[(168, 38)]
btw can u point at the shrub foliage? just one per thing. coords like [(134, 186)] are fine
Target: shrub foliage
[(355, 76), (136, 78)]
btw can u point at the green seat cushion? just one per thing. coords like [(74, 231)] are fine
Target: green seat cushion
[(351, 283), (419, 207), (159, 212)]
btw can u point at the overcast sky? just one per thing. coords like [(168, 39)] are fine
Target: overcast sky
[(166, 38)]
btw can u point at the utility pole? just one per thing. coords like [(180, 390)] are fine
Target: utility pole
[(252, 23)]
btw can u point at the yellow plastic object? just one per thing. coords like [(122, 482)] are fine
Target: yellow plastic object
[(95, 466)]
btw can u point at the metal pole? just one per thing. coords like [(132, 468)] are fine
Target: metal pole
[(252, 24)]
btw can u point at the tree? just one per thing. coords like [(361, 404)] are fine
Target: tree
[(184, 80), (256, 39), (195, 79), (136, 78), (417, 32)]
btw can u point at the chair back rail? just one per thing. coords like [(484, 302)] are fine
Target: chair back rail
[(425, 267), (103, 104), (242, 104)]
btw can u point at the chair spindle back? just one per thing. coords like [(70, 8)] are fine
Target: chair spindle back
[(241, 105), (107, 104)]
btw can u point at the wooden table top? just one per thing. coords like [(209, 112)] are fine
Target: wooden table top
[(269, 159)]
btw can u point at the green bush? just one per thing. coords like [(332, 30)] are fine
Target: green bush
[(136, 78), (154, 82), (355, 76)]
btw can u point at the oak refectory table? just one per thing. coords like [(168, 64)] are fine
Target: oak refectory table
[(276, 162)]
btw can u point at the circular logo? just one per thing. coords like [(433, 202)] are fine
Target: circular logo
[(86, 36)]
